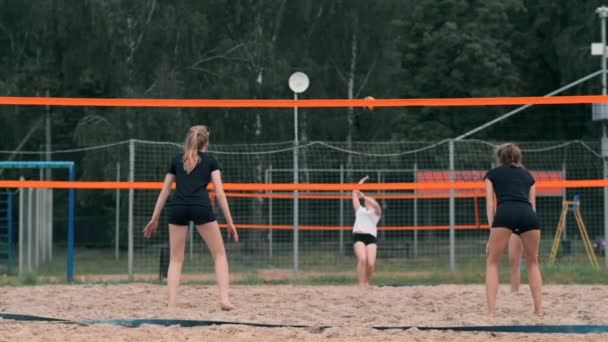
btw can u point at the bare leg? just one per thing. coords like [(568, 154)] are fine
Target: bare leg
[(177, 241), (371, 261), (499, 239), (210, 232), (361, 253), (531, 241), (515, 254)]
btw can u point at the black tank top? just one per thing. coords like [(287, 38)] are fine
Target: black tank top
[(511, 183), (191, 189)]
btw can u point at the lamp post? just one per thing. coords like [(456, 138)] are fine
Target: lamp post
[(298, 83)]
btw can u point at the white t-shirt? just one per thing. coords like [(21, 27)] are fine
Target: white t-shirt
[(366, 221)]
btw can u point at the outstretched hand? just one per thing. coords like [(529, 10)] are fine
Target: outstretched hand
[(363, 180), (150, 228)]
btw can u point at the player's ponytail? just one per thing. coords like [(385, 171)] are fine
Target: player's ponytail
[(197, 139)]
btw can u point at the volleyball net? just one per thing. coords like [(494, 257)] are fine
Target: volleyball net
[(415, 182)]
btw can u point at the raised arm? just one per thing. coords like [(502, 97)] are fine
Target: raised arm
[(356, 201), (152, 226), (216, 179), (358, 195), (490, 202)]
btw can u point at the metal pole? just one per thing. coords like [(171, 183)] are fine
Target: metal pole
[(604, 154), (415, 212), (42, 231), (71, 228), (9, 215), (130, 208), (38, 225), (452, 211), (603, 16), (564, 198), (296, 256), (603, 12), (49, 224), (50, 201), (117, 219), (48, 137), (21, 225), (269, 181), (519, 109), (379, 180), (29, 229), (341, 219)]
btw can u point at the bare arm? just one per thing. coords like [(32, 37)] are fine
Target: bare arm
[(358, 195), (489, 201), (162, 197), (356, 201), (533, 196), (152, 226), (216, 178)]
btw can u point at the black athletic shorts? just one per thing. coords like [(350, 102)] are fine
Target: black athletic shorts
[(367, 239), (520, 217), (181, 215)]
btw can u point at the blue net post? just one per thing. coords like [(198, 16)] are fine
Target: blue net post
[(71, 200)]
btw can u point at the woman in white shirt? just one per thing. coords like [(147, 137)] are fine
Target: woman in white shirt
[(365, 231)]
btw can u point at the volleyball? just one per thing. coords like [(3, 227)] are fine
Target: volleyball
[(369, 98)]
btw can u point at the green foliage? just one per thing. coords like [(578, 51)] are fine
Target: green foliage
[(248, 49)]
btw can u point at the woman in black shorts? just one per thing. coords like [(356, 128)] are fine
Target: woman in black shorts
[(192, 170), (515, 194), (365, 231)]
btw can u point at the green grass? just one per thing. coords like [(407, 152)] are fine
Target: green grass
[(317, 268)]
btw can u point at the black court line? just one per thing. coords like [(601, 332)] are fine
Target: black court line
[(134, 323), (29, 318)]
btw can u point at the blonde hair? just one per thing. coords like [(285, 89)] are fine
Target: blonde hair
[(197, 139), (509, 154)]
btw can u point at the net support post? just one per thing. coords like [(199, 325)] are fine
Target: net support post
[(605, 156), (10, 231), (452, 210), (296, 224), (600, 114), (21, 226), (268, 177), (130, 209), (341, 238), (30, 195), (415, 212), (71, 228), (117, 217)]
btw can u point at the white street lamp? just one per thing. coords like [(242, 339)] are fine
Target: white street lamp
[(298, 83)]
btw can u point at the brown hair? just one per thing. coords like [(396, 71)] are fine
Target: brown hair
[(509, 154), (197, 139)]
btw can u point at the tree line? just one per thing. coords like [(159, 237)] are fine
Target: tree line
[(248, 49)]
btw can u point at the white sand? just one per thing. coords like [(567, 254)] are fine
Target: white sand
[(351, 311)]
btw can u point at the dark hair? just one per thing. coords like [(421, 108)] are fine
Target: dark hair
[(509, 154)]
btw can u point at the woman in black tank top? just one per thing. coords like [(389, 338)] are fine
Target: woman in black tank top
[(192, 170), (511, 186)]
